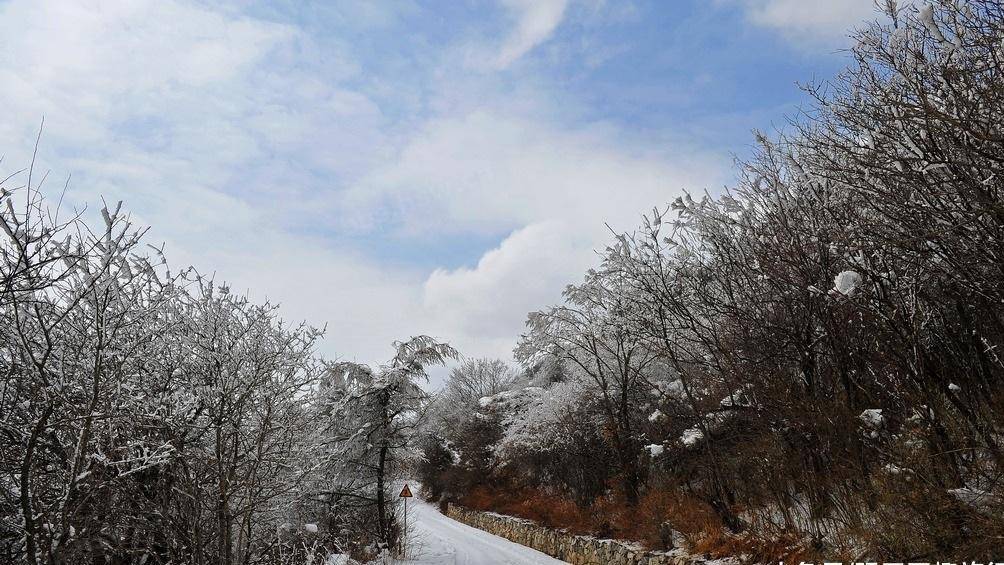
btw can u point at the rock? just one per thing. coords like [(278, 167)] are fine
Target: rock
[(577, 550)]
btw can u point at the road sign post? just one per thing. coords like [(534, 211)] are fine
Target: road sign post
[(405, 494)]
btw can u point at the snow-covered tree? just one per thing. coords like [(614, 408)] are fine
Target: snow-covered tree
[(816, 348), (374, 414), (591, 332), (146, 416)]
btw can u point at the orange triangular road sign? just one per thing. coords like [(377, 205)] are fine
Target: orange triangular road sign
[(405, 492)]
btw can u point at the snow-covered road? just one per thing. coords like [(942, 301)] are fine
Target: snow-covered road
[(437, 540)]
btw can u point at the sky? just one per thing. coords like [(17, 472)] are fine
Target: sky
[(393, 168)]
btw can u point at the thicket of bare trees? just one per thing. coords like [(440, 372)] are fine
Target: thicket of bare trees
[(814, 354), (151, 416)]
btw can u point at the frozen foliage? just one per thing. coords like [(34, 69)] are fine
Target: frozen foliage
[(873, 421), (872, 418), (365, 422), (674, 389), (535, 423), (154, 416), (592, 335), (972, 497), (742, 397), (475, 380), (691, 436), (149, 415), (847, 282)]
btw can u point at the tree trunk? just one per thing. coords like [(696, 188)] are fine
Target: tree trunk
[(381, 473), (27, 512), (381, 498), (223, 519)]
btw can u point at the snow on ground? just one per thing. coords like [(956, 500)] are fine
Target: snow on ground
[(435, 539)]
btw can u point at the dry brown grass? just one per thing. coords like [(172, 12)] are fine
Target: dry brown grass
[(532, 504), (753, 548), (608, 516)]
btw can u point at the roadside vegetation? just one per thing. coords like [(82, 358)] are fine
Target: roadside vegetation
[(149, 415), (807, 363)]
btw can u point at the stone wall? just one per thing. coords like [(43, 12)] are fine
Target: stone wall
[(578, 550)]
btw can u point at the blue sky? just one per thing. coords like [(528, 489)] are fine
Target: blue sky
[(391, 168)]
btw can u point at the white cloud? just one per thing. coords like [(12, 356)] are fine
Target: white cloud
[(194, 119), (90, 64), (809, 20), (174, 87), (364, 305), (552, 187), (524, 273), (536, 20), (490, 171), (206, 125)]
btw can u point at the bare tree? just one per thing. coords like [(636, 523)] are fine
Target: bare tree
[(475, 379)]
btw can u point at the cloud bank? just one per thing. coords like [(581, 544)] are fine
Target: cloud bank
[(817, 20), (315, 156)]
